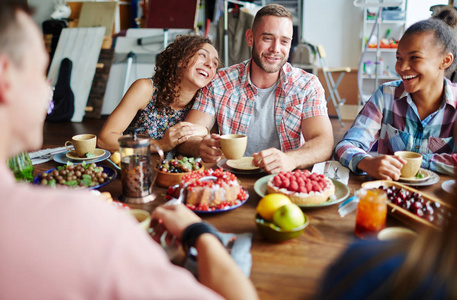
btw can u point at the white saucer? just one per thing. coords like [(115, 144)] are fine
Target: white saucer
[(425, 176), (396, 233), (244, 163), (448, 186), (98, 153)]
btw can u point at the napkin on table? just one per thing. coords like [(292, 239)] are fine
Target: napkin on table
[(45, 155), (343, 172)]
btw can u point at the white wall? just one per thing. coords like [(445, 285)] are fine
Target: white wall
[(420, 9), (43, 10), (337, 25)]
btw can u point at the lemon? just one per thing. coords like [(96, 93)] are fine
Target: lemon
[(127, 151), (269, 204), (116, 158)]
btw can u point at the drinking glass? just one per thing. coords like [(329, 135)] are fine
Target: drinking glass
[(22, 167), (371, 212)]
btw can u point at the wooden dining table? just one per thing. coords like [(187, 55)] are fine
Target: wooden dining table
[(288, 270)]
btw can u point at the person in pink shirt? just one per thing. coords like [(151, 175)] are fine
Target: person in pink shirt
[(61, 244)]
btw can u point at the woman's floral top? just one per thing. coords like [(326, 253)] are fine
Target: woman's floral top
[(155, 122)]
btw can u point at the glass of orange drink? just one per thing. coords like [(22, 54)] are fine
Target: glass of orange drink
[(371, 212)]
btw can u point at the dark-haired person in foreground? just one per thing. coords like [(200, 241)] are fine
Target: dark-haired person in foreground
[(61, 244)]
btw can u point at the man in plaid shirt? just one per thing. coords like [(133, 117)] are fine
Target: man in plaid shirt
[(281, 109)]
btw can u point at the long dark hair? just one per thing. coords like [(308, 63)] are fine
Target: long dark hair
[(170, 66)]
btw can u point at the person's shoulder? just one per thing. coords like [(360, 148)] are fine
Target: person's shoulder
[(233, 73), (144, 83), (452, 86), (392, 89), (296, 81), (451, 92), (392, 84), (298, 76)]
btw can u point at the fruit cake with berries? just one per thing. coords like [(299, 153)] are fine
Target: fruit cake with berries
[(223, 192), (302, 187)]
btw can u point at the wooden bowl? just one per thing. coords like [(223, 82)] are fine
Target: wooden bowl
[(401, 213), (166, 179)]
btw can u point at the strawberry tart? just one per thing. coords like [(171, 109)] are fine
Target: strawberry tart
[(200, 195), (302, 187)]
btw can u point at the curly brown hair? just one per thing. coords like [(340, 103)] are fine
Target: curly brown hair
[(170, 66)]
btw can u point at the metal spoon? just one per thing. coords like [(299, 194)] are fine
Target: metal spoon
[(336, 176)]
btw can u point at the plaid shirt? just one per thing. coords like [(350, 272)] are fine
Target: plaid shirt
[(230, 98), (390, 117)]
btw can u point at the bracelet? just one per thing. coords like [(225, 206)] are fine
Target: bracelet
[(192, 232)]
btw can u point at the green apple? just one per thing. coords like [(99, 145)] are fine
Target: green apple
[(289, 216)]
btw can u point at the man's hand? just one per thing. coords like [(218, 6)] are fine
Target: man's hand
[(273, 161), (386, 167), (210, 151), (175, 218)]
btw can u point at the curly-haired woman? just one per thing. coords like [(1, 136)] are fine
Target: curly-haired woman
[(159, 104)]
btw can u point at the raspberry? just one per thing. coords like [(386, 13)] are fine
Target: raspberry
[(303, 189), (293, 186), (277, 181), (309, 186)]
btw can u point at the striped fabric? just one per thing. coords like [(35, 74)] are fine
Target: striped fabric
[(230, 99), (391, 118)]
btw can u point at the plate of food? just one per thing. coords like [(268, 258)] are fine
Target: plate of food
[(209, 191), (421, 175), (329, 192), (62, 158), (85, 175), (448, 186), (223, 165), (411, 206), (244, 163)]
